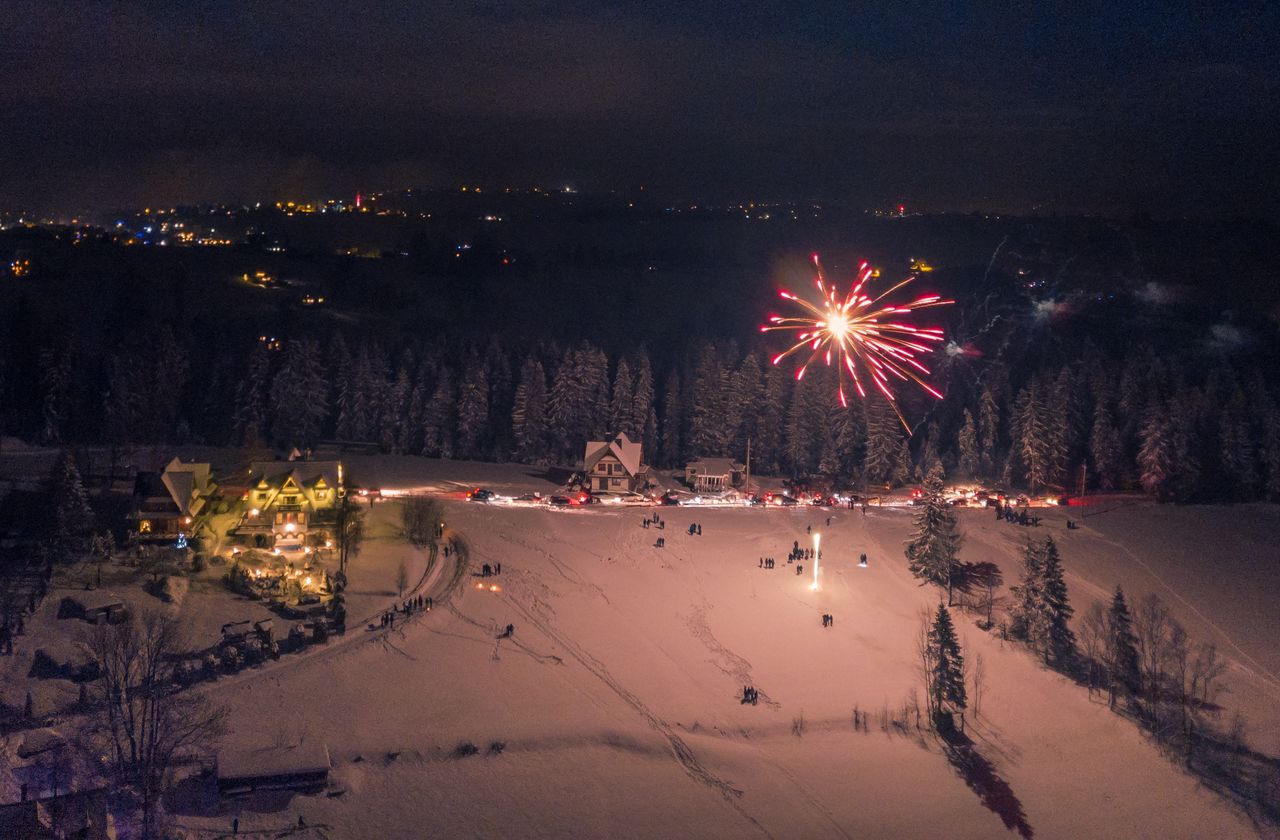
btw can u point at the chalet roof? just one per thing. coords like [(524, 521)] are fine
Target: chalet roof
[(184, 486), (620, 447), (304, 473)]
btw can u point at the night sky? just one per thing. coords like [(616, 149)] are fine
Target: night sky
[(1113, 107)]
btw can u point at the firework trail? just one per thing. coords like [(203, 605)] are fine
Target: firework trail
[(864, 336)]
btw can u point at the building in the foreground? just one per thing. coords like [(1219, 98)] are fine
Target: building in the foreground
[(614, 465), (168, 503), (82, 815), (290, 497), (713, 475)]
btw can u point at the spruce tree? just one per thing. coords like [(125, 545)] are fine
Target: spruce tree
[(947, 666), (438, 419), (473, 409), (72, 517), (621, 419), (1034, 444), (1155, 453), (643, 419), (529, 412), (968, 446), (672, 440), (1105, 449), (935, 544), (988, 428), (1121, 648), (883, 436), (1028, 596), (1056, 640)]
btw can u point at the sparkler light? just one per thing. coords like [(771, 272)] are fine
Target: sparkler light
[(864, 336)]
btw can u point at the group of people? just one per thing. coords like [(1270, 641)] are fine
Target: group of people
[(487, 570), (766, 562), (655, 521), (661, 542), (1021, 517), (828, 620), (506, 634), (415, 604), (695, 528), (750, 695)]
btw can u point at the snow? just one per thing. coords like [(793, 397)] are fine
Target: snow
[(616, 701), (614, 710)]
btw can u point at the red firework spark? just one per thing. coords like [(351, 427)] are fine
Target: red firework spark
[(863, 336)]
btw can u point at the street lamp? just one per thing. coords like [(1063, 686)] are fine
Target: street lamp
[(817, 555)]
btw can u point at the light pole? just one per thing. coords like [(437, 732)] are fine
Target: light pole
[(817, 556)]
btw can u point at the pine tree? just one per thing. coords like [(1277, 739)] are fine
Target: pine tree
[(706, 417), (643, 418), (883, 436), (1271, 453), (473, 409), (499, 442), (947, 666), (988, 427), (439, 418), (566, 403), (800, 431), (529, 414), (1155, 453), (595, 377), (297, 395), (935, 543), (250, 417), (620, 405), (1105, 448), (902, 466), (1034, 444), (1056, 640), (72, 517), (672, 448), (1121, 648), (766, 449), (968, 446), (1028, 596)]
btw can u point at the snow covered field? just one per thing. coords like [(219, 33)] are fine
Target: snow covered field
[(616, 702)]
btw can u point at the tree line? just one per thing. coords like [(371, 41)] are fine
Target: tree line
[(1137, 422)]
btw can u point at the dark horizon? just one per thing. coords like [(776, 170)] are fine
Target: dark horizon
[(938, 107)]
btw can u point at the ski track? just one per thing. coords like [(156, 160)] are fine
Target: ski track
[(1254, 669), (683, 753)]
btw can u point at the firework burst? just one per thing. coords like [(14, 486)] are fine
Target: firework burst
[(865, 337)]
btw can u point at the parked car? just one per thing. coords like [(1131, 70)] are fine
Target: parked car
[(560, 501), (481, 494)]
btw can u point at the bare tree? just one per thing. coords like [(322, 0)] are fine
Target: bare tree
[(420, 516), (349, 532), (978, 679), (1204, 685), (145, 721), (1094, 632), (1151, 627), (402, 578)]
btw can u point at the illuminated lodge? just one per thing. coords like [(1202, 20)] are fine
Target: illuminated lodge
[(290, 497)]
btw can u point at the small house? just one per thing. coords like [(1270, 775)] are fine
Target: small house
[(167, 503), (713, 475), (614, 465)]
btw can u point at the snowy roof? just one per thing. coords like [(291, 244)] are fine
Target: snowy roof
[(305, 473), (714, 466), (620, 447), (307, 757), (187, 484)]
